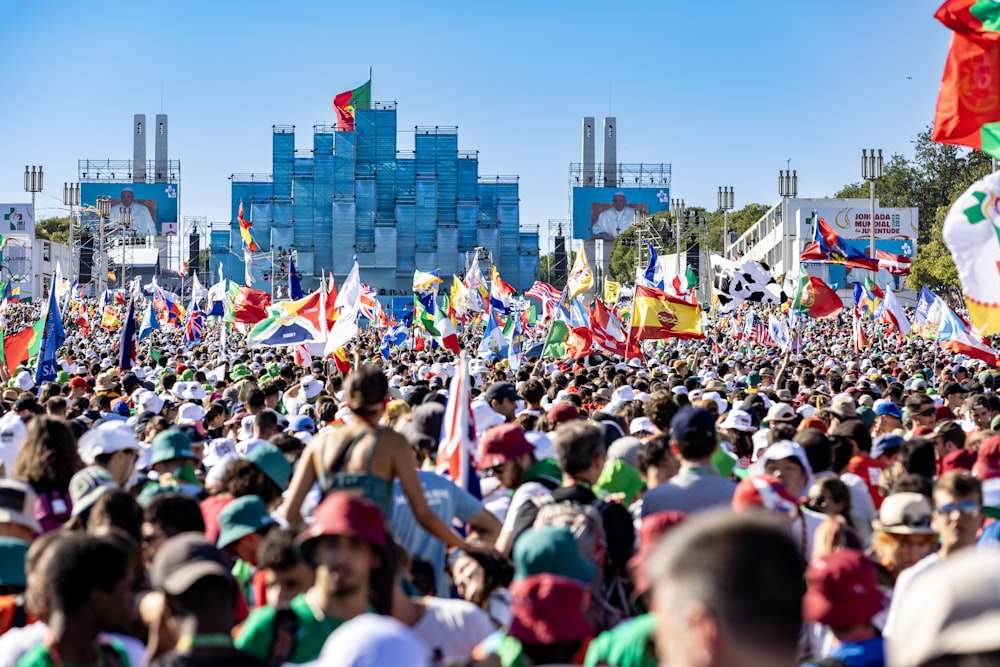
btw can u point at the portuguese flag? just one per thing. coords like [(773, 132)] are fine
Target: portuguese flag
[(968, 107), (347, 102), (815, 298)]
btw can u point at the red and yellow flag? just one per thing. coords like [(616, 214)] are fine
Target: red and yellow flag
[(346, 103), (656, 314)]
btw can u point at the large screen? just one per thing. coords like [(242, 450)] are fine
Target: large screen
[(604, 213), (152, 207)]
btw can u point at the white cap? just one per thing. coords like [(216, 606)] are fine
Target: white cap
[(738, 420), (640, 424), (107, 438)]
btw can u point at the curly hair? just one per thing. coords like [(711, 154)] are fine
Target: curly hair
[(244, 478), (48, 455)]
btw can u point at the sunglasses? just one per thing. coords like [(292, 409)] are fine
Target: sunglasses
[(818, 503), (966, 508), (910, 521), (495, 471), (929, 412)]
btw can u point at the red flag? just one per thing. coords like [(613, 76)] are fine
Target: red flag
[(608, 332), (15, 348), (968, 107), (816, 298), (250, 305), (342, 361), (578, 343)]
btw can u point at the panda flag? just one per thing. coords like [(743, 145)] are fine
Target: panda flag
[(738, 282)]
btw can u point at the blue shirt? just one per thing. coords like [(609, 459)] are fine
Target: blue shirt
[(445, 499), (865, 653)]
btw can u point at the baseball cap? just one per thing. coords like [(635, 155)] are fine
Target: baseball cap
[(780, 412), (78, 382), (841, 591), (885, 407), (904, 514), (950, 388), (17, 504), (241, 517), (640, 424), (107, 438), (563, 411), (343, 514), (501, 444), (298, 423), (886, 443), (501, 390), (738, 420), (184, 560), (693, 425), (87, 485), (842, 407)]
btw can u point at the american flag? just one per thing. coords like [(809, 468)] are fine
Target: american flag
[(755, 331), (458, 444), (547, 294)]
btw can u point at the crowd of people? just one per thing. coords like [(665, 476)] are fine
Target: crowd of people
[(715, 503)]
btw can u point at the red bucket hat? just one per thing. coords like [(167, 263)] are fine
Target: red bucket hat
[(652, 528), (842, 590), (347, 515), (548, 608)]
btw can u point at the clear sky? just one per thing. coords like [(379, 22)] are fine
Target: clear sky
[(725, 91)]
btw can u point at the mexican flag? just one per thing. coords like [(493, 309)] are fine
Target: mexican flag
[(815, 298), (968, 107), (346, 103)]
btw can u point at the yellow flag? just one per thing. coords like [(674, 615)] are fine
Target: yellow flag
[(581, 278), (612, 290)]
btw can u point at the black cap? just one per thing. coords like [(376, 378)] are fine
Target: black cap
[(28, 403), (184, 560), (693, 425), (130, 381), (501, 390)]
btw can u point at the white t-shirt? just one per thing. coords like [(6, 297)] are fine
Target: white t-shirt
[(904, 582), (452, 628), (523, 495), (863, 510), (17, 641)]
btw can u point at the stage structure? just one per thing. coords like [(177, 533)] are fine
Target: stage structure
[(357, 194)]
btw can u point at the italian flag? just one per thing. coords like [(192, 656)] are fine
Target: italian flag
[(346, 103)]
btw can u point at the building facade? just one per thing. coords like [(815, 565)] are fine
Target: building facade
[(356, 194)]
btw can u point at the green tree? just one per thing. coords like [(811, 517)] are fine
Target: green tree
[(53, 229), (931, 181)]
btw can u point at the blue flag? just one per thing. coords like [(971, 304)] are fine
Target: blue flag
[(294, 286), (149, 323), (126, 347), (654, 272), (394, 335), (53, 336)]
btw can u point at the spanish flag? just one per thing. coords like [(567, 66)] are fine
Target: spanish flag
[(656, 314), (249, 245)]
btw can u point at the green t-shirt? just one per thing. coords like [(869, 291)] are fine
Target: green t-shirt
[(39, 656), (256, 636), (625, 646)]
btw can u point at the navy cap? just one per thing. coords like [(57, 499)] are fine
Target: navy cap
[(887, 443), (693, 425)]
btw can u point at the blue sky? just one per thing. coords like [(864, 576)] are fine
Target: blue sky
[(725, 91)]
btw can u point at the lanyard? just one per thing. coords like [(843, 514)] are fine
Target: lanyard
[(189, 642)]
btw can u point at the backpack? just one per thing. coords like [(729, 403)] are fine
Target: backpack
[(608, 601), (52, 509)]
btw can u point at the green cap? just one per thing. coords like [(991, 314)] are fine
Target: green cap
[(12, 555), (753, 378), (866, 414), (550, 550), (187, 375), (172, 444), (239, 372), (272, 461), (242, 517), (273, 369), (62, 377)]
